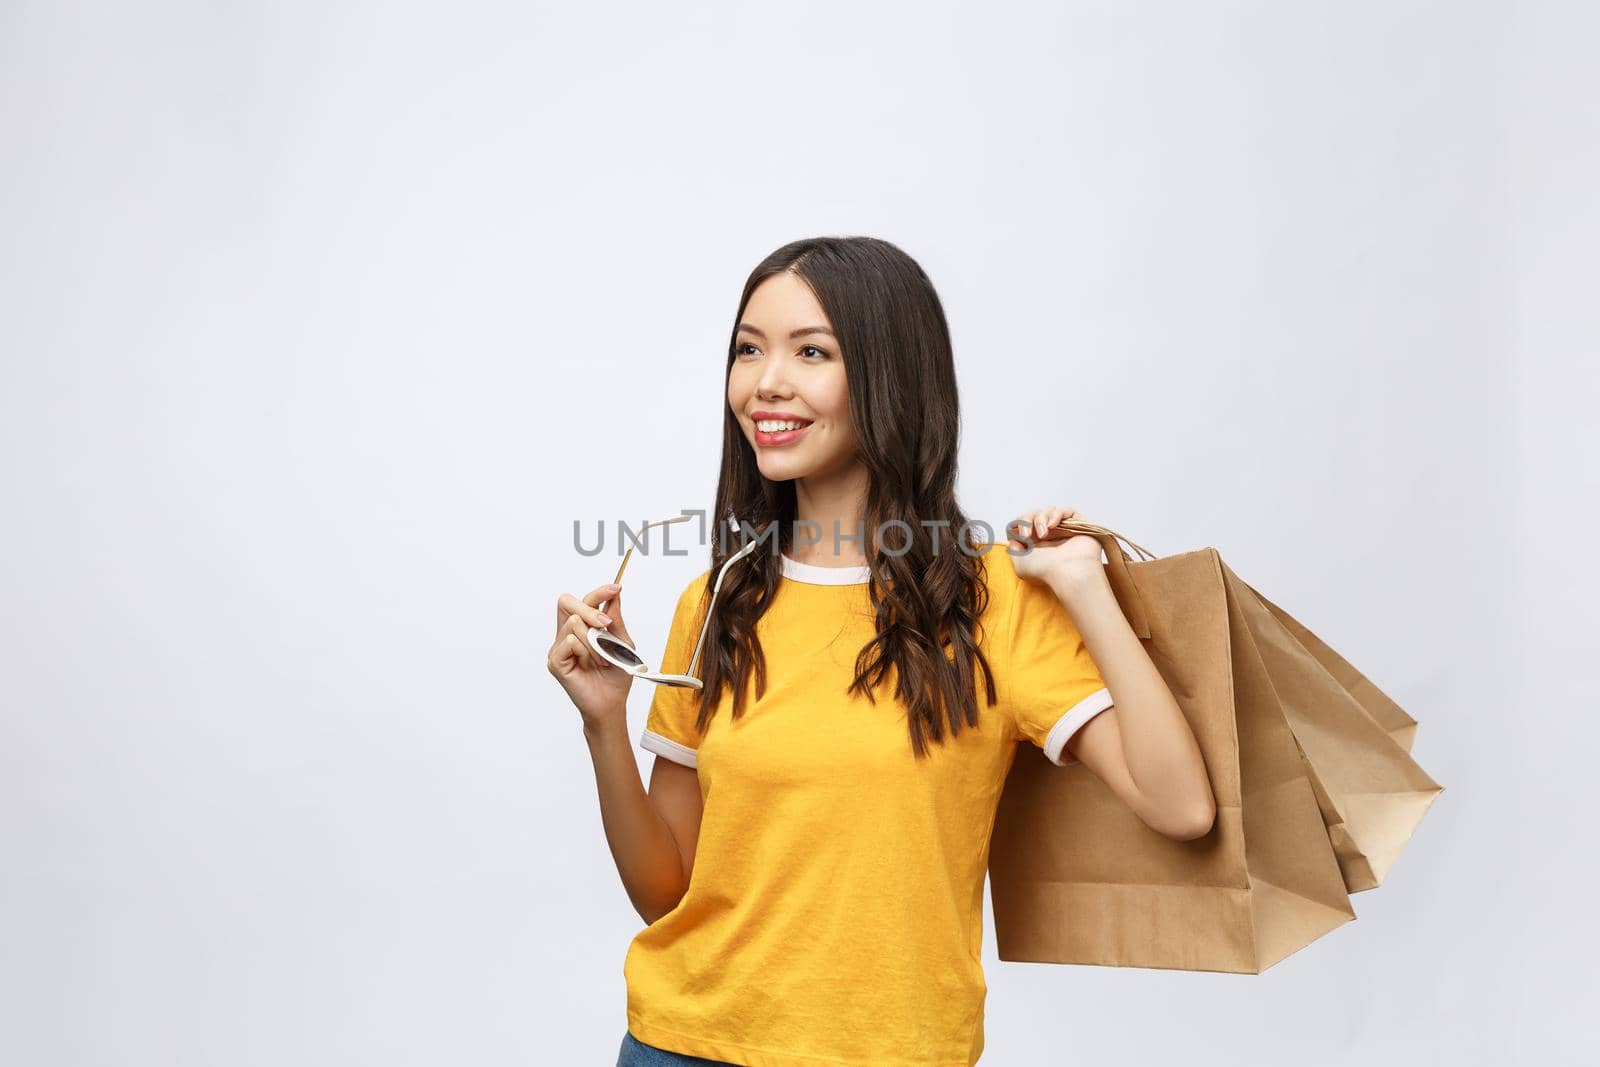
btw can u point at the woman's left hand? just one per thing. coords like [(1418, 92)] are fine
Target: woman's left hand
[(1054, 552)]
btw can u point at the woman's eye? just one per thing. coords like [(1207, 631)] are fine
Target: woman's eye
[(745, 348)]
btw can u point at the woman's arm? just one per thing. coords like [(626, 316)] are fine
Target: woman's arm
[(1142, 747), (652, 837)]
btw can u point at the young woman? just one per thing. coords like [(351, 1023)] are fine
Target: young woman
[(810, 856)]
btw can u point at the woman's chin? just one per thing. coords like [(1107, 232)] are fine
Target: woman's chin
[(781, 468), (781, 465)]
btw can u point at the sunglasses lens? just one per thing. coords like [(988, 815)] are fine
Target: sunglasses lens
[(621, 651)]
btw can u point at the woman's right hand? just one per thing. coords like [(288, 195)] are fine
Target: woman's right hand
[(598, 688)]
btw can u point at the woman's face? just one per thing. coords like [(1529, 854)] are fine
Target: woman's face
[(787, 368)]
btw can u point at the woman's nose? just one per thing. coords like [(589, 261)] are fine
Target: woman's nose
[(773, 382)]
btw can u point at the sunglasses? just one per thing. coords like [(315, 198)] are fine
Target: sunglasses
[(619, 653)]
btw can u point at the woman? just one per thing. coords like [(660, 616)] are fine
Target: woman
[(810, 856)]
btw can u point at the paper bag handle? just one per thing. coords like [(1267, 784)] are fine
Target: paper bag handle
[(1121, 578)]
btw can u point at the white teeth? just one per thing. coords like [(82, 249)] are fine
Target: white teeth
[(775, 425)]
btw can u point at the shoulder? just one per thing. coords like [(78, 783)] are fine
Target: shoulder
[(686, 611), (999, 575), (696, 585), (694, 591), (998, 569)]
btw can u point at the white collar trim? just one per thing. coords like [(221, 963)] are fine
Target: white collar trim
[(812, 574)]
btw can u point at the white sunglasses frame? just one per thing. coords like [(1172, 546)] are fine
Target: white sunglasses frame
[(638, 668)]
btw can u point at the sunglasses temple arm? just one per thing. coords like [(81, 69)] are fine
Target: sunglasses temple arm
[(704, 626), (715, 589), (697, 644), (629, 554), (606, 603)]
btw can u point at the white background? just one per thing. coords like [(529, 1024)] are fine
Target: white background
[(321, 323)]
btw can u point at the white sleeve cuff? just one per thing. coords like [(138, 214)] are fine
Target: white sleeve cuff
[(665, 746), (1055, 742)]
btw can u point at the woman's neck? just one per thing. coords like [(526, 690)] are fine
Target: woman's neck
[(829, 509)]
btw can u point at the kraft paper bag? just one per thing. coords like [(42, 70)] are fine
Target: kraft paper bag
[(1076, 877), (1371, 792), (1400, 726)]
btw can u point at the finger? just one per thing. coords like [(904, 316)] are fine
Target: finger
[(586, 608), (618, 627), (578, 651), (579, 631), (564, 656), (601, 595), (576, 627)]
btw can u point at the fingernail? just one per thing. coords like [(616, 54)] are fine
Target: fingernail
[(605, 620), (613, 587)]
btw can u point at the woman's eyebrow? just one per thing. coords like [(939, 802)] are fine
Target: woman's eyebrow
[(745, 327)]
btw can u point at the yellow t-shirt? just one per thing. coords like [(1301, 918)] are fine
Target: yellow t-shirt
[(834, 915)]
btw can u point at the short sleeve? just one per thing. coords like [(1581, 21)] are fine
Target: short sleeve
[(1054, 687), (669, 727)]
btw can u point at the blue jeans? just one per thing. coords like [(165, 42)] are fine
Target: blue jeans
[(636, 1053)]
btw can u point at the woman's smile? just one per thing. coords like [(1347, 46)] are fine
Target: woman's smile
[(773, 429)]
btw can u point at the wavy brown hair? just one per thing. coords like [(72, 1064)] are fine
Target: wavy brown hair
[(901, 377)]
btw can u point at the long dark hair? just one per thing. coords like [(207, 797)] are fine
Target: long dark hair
[(900, 371)]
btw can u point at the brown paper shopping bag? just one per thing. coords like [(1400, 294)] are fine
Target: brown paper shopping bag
[(1371, 791), (1076, 877), (1399, 725)]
